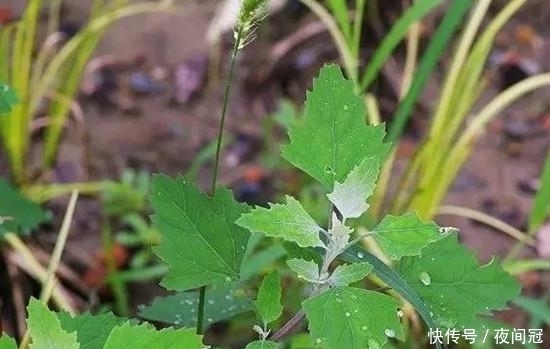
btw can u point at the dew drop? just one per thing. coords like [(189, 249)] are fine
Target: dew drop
[(228, 279), (318, 340), (360, 255), (447, 230), (348, 314), (209, 319), (210, 302), (338, 300), (389, 332), (364, 328), (373, 344), (425, 278), (399, 313), (346, 107)]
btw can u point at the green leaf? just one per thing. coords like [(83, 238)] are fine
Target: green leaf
[(222, 301), (333, 137), (45, 329), (17, 213), (439, 41), (340, 12), (201, 243), (350, 196), (357, 254), (268, 301), (537, 308), (254, 263), (91, 330), (306, 270), (541, 203), (8, 99), (339, 235), (397, 32), (146, 336), (262, 345), (288, 221), (405, 235), (455, 287), (6, 342), (353, 318), (309, 254), (346, 274)]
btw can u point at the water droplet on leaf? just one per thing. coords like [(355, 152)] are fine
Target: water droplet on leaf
[(360, 255), (346, 107), (389, 332), (373, 344), (348, 314), (425, 278)]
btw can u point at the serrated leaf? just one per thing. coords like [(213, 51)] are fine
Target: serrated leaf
[(339, 234), (405, 235), (346, 274), (45, 329), (352, 318), (455, 287), (288, 221), (262, 345), (91, 330), (128, 336), (306, 270), (6, 342), (309, 254), (17, 213), (8, 99), (350, 197), (268, 300), (200, 241), (357, 254), (222, 301), (333, 137)]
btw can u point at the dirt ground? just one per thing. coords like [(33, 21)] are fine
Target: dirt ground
[(163, 138)]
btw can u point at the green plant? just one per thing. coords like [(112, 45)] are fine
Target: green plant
[(204, 241), (455, 125), (352, 297), (52, 80), (205, 238)]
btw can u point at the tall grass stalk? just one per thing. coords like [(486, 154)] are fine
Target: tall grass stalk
[(250, 14), (55, 260)]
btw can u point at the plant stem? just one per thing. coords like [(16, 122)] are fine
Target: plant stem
[(224, 111), (283, 331), (49, 282), (236, 45), (58, 249)]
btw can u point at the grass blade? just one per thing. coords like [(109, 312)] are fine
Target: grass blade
[(541, 204), (398, 31), (452, 19)]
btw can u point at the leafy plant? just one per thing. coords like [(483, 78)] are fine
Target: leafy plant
[(204, 242)]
